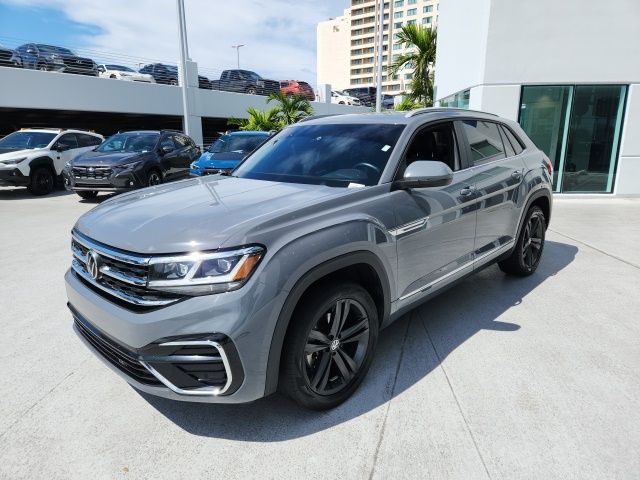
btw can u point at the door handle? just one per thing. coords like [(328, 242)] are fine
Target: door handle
[(517, 174), (466, 191)]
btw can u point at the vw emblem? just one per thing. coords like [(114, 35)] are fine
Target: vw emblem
[(334, 345), (91, 169), (93, 264)]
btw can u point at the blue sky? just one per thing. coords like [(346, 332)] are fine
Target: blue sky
[(280, 34)]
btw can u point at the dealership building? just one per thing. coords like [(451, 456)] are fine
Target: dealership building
[(568, 71)]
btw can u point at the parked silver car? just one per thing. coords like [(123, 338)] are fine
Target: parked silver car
[(225, 288)]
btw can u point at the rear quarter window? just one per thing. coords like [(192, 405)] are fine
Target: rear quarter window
[(513, 139)]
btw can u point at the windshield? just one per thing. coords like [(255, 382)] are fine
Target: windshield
[(171, 69), (246, 74), (335, 155), (236, 143), (26, 140), (118, 67), (129, 142), (52, 49)]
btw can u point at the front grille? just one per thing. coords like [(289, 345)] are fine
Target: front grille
[(120, 276), (78, 63), (116, 354), (91, 173)]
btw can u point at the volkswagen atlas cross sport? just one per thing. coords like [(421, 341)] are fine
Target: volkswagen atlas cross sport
[(280, 276)]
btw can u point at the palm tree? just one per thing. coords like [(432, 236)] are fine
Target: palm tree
[(292, 108), (407, 104), (258, 120), (421, 57)]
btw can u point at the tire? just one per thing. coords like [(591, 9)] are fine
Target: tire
[(320, 370), (87, 194), (154, 177), (43, 67), (526, 255), (42, 181), (173, 82), (112, 76), (252, 91)]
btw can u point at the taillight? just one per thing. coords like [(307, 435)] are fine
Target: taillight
[(548, 165)]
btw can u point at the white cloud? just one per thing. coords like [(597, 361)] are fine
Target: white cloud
[(280, 35)]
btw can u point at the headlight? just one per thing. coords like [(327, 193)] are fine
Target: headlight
[(13, 161), (125, 166), (204, 273), (193, 166)]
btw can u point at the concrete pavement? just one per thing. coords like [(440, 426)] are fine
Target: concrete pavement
[(498, 378)]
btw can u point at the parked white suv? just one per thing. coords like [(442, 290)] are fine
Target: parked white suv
[(342, 98), (123, 73), (34, 157)]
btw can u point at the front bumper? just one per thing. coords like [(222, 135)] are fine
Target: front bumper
[(13, 178), (225, 319), (112, 181)]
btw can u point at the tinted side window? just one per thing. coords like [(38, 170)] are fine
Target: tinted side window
[(515, 142), (507, 146), (85, 140), (434, 143), (69, 139), (181, 141), (484, 140), (167, 142)]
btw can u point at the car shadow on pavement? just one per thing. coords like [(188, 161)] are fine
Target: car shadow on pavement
[(408, 350), (21, 193)]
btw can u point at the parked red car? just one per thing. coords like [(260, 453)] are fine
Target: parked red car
[(291, 87)]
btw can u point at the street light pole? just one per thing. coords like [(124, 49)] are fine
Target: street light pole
[(184, 55), (380, 41), (237, 47)]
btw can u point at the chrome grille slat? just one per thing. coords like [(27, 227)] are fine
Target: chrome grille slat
[(122, 275)]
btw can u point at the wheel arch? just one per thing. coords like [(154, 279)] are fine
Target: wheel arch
[(42, 162), (362, 266)]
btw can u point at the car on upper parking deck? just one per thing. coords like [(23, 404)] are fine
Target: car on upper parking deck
[(121, 72), (39, 56)]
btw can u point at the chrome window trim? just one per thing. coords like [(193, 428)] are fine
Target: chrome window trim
[(457, 270), (204, 391)]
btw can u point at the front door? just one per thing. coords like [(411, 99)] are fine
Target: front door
[(435, 226)]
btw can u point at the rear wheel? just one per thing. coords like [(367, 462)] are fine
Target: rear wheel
[(251, 90), (43, 67), (42, 181), (329, 346), (87, 194), (173, 81), (528, 250)]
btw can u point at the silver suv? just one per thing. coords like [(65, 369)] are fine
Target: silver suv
[(280, 276)]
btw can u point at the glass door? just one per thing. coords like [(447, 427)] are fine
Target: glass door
[(578, 127)]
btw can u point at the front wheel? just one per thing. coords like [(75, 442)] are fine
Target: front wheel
[(252, 90), (329, 346), (154, 178), (526, 255), (42, 181)]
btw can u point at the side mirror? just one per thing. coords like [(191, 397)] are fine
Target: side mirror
[(61, 147), (166, 149), (425, 174)]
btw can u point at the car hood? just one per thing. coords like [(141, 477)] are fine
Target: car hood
[(65, 56), (92, 158), (9, 153), (197, 214), (220, 160)]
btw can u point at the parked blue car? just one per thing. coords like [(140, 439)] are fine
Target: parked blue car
[(226, 152)]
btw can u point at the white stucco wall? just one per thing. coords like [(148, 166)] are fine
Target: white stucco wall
[(333, 38), (462, 38), (628, 173)]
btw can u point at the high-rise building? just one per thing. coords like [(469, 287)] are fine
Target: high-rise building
[(362, 43), (333, 58)]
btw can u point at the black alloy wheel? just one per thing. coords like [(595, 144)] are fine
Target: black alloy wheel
[(526, 255), (336, 347), (154, 178), (42, 181), (329, 346)]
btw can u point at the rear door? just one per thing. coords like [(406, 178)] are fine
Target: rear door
[(498, 174), (435, 226)]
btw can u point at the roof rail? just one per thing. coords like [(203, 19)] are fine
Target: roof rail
[(420, 111), (314, 117), (59, 129)]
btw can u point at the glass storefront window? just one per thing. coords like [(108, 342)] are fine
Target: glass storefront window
[(578, 127), (458, 100)]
